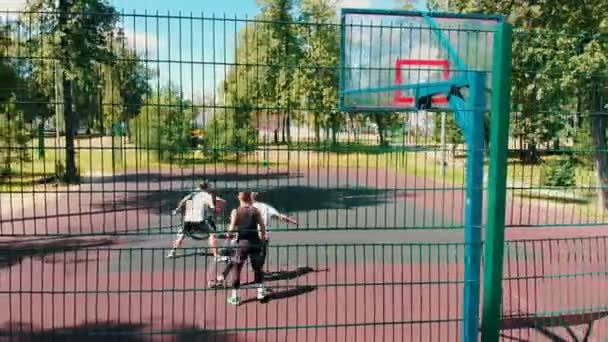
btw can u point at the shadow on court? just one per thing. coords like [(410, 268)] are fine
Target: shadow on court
[(299, 198), (288, 275), (110, 331), (292, 198), (289, 293), (12, 252)]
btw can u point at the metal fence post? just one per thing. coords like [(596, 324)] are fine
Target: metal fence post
[(497, 183)]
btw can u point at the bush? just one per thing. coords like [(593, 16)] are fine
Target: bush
[(559, 172), (584, 147)]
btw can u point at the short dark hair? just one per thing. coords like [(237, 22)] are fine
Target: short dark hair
[(245, 196), (204, 185)]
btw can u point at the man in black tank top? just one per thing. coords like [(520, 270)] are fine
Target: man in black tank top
[(247, 223)]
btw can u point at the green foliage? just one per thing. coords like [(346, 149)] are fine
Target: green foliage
[(453, 133), (559, 172), (231, 132), (164, 124), (555, 51), (583, 146), (14, 136), (318, 82), (79, 36), (280, 52), (8, 73), (69, 38)]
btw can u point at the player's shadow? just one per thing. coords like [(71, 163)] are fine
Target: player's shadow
[(288, 293), (289, 274)]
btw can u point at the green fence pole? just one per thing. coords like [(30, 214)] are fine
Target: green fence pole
[(499, 138)]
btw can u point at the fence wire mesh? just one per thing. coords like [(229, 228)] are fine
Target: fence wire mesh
[(102, 134)]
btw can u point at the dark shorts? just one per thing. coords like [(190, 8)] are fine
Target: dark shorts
[(230, 249), (204, 227), (247, 249)]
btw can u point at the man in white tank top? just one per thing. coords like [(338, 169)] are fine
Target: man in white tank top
[(198, 210), (268, 213)]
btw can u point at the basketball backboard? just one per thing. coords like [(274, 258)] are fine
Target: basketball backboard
[(405, 61)]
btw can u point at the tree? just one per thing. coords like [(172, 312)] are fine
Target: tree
[(559, 66), (8, 73), (281, 56), (14, 136), (164, 124), (74, 35), (319, 76), (590, 83)]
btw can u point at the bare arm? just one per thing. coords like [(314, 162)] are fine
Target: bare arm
[(232, 225), (183, 201), (285, 218), (261, 225)]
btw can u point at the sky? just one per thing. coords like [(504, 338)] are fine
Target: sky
[(194, 54)]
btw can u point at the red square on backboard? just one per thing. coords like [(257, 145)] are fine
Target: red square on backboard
[(399, 98)]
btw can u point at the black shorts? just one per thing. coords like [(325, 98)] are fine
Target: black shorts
[(249, 249), (230, 250), (204, 227)]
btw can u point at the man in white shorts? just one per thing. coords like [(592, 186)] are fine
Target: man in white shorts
[(198, 209), (268, 213)]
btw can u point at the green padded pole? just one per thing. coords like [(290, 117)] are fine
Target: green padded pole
[(497, 183)]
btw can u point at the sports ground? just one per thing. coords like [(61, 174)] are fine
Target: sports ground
[(373, 283)]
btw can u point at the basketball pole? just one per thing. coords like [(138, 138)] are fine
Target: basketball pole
[(443, 148), (469, 116)]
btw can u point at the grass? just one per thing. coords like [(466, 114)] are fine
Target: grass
[(100, 159)]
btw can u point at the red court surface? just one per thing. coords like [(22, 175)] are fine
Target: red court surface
[(125, 287)]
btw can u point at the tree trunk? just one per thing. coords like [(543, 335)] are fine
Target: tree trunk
[(334, 135), (598, 130), (288, 125), (381, 128), (317, 128), (352, 127), (529, 155), (71, 124), (284, 128)]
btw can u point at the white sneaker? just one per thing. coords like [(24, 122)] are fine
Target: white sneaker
[(171, 254), (234, 300), (217, 283), (262, 293), (221, 258)]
